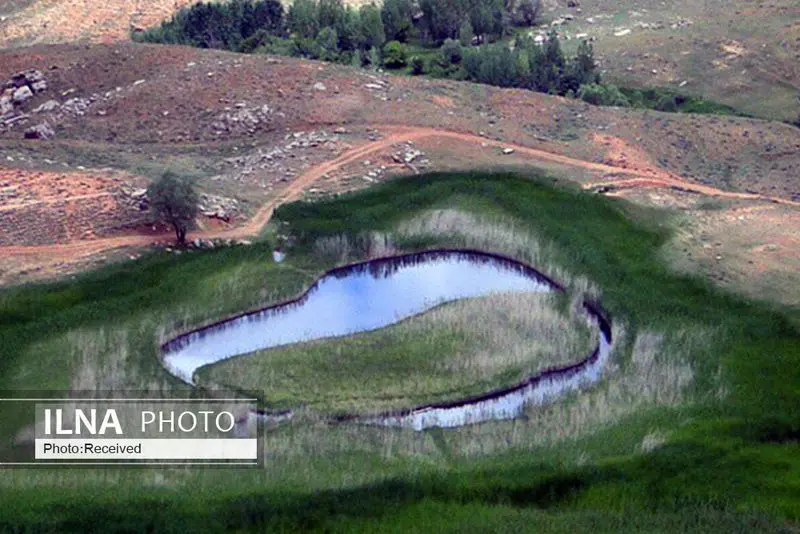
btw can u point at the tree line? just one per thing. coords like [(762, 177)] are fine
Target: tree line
[(469, 36)]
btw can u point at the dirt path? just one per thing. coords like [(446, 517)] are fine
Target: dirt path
[(640, 177), (685, 186)]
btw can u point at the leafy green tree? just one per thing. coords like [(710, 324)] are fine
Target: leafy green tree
[(395, 55), (466, 34), (585, 59), (215, 25), (481, 19), (372, 27), (397, 19), (526, 12), (442, 18), (175, 203), (349, 31), (328, 44), (330, 13), (303, 19)]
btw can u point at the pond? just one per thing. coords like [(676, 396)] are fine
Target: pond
[(356, 298)]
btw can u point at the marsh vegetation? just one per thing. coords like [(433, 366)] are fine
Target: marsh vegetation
[(693, 428)]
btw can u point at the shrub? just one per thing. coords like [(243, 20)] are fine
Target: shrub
[(452, 52), (417, 66), (395, 55), (603, 95)]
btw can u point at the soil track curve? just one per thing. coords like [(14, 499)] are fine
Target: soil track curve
[(638, 177)]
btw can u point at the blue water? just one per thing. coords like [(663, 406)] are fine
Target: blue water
[(354, 299)]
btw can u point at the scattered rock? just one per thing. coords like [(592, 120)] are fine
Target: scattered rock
[(40, 131), (22, 95), (76, 106), (39, 87), (217, 206), (50, 105), (6, 106)]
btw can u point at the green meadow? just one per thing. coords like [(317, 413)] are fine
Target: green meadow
[(694, 427)]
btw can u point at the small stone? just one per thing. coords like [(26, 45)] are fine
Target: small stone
[(40, 131), (22, 95), (50, 105), (508, 151)]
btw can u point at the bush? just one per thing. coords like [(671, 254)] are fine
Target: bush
[(452, 52), (417, 66), (395, 55), (603, 95)]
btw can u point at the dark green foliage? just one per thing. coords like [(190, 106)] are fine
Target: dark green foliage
[(492, 64), (397, 21), (526, 12), (395, 55), (330, 13), (441, 19), (603, 95), (372, 27), (350, 35), (661, 99), (215, 25), (466, 34), (530, 66), (328, 44), (303, 19), (417, 66), (451, 51), (728, 466), (174, 202)]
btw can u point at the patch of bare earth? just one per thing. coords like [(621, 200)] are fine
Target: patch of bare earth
[(300, 128)]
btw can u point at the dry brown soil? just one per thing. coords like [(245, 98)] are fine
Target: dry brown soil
[(734, 162)]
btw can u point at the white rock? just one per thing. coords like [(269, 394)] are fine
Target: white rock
[(22, 95)]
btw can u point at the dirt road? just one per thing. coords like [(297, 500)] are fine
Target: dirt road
[(638, 177)]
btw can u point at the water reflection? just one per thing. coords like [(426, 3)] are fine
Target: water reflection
[(353, 299)]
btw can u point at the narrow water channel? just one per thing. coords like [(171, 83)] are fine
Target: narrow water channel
[(378, 293)]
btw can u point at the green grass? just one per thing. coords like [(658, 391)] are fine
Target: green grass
[(663, 99), (725, 458), (448, 353)]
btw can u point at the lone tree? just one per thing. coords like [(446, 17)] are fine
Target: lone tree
[(175, 202)]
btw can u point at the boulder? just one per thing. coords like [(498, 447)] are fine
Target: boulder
[(39, 87), (22, 95), (319, 86), (40, 131)]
